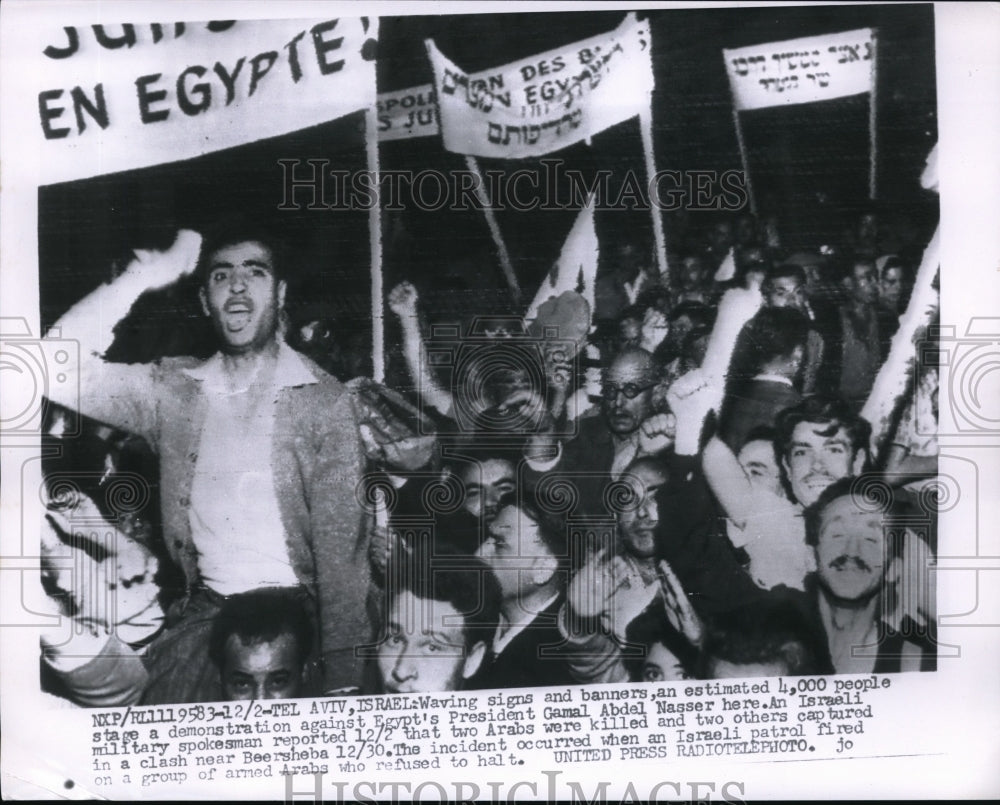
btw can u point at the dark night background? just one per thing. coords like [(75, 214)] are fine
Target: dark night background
[(809, 165)]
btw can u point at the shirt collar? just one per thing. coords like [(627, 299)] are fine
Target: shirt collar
[(289, 371), (500, 642)]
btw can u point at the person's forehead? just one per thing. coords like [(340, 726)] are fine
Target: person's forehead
[(845, 513), (424, 616), (240, 252), (514, 526), (786, 281), (629, 368), (658, 654), (813, 432), (758, 450), (643, 477), (261, 656), (489, 471)]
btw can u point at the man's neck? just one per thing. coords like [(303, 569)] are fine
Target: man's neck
[(522, 610), (244, 369), (849, 625)]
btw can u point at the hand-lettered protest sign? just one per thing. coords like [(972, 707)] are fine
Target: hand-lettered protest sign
[(163, 92), (815, 68), (407, 113), (546, 102)]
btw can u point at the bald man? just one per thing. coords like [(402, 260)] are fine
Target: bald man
[(603, 446)]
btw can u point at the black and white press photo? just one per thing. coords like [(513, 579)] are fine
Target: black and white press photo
[(404, 397)]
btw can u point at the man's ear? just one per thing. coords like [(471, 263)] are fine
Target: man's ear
[(860, 459), (204, 301), (282, 290), (474, 659)]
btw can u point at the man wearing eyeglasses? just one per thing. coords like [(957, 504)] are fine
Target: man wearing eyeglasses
[(603, 446)]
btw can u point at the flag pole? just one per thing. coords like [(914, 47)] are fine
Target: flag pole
[(491, 221), (743, 157), (872, 121), (646, 126), (375, 247)]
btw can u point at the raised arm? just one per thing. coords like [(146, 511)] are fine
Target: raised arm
[(897, 371), (403, 302), (116, 393)]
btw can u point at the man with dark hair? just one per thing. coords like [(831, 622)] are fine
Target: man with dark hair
[(527, 550), (770, 637), (259, 456), (858, 541), (682, 319), (618, 583), (785, 286), (666, 655), (892, 298), (861, 341), (486, 474), (820, 441), (776, 338), (261, 642), (442, 614)]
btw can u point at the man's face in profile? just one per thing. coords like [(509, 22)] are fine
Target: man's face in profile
[(891, 287), (424, 646), (758, 462), (261, 670), (850, 550), (242, 295)]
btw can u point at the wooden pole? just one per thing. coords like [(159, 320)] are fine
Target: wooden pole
[(491, 221), (646, 126), (872, 122), (375, 248), (743, 157)]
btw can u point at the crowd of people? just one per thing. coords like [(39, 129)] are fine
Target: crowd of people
[(716, 472)]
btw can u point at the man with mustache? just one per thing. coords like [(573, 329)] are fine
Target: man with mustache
[(259, 455), (857, 581)]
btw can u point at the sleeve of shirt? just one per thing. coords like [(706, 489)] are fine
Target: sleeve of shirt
[(117, 394), (340, 552), (592, 655), (114, 677)]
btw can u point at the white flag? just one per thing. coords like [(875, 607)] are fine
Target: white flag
[(576, 268), (546, 102), (814, 68)]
